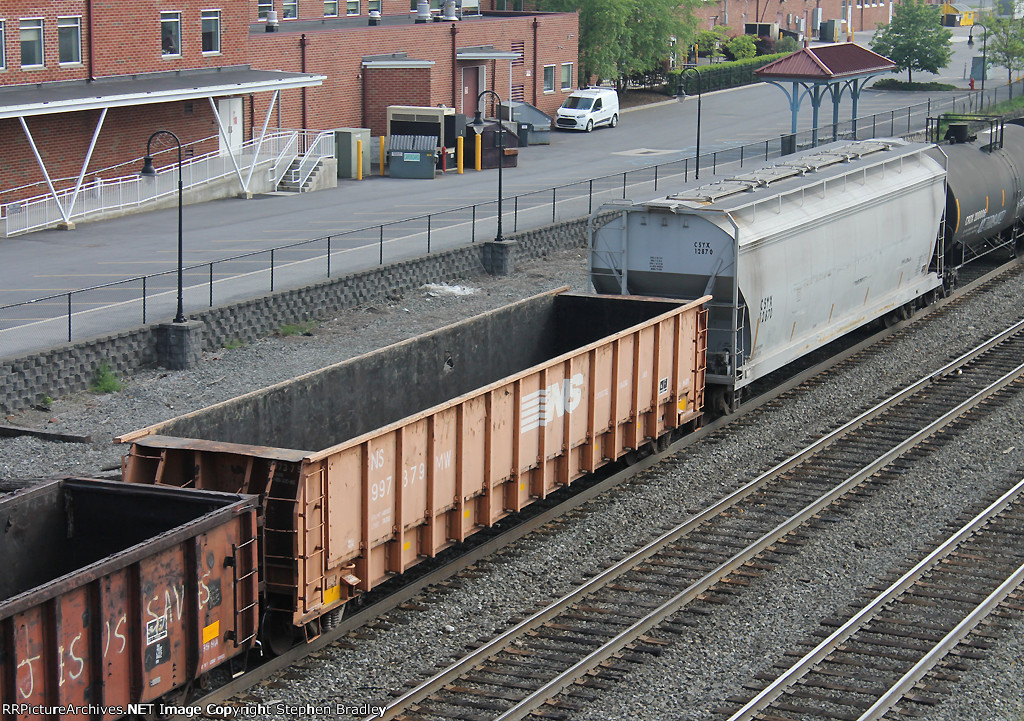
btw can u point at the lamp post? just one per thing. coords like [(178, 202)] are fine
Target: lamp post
[(984, 54), (697, 75), (478, 120), (148, 171)]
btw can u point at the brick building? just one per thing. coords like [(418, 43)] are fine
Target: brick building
[(798, 16), (83, 83)]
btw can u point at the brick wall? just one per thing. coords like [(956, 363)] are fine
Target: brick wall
[(71, 368), (735, 13)]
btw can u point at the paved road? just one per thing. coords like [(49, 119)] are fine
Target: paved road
[(49, 262)]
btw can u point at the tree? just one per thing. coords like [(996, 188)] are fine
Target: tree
[(620, 38), (915, 39), (741, 46), (710, 41), (1004, 38)]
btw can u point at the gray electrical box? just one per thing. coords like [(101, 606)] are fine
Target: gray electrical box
[(345, 146)]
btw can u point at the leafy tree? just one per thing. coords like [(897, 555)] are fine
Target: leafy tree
[(741, 47), (915, 39), (1004, 43), (709, 42), (623, 38)]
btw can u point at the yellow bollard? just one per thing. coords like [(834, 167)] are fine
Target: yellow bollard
[(383, 156), (359, 159), (479, 148), (458, 153)]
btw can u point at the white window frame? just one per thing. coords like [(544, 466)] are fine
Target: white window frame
[(330, 8), (42, 46), (349, 4), (170, 19), (205, 15), (544, 76), (262, 8), (293, 5), (566, 87), (372, 5), (3, 45), (63, 23)]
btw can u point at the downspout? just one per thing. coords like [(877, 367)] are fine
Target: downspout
[(92, 47), (455, 71), (362, 79), (302, 47), (252, 116), (536, 23)]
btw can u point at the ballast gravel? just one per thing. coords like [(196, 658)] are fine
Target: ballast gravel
[(865, 542)]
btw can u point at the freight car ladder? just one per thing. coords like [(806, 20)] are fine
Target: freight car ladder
[(245, 587)]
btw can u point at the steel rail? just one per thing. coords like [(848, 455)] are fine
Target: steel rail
[(648, 622), (798, 670)]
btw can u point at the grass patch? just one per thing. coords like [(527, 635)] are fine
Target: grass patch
[(1006, 107), (103, 381), (304, 328), (894, 84), (232, 344)]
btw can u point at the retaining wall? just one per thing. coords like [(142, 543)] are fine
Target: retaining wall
[(70, 368)]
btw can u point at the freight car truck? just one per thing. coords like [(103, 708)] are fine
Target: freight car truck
[(368, 466), (795, 254)]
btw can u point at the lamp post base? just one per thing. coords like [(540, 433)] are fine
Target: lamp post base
[(180, 345), (500, 258)]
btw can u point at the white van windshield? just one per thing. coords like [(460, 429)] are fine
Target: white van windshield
[(578, 103)]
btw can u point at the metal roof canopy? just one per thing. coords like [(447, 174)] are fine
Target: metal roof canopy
[(832, 68), (118, 91)]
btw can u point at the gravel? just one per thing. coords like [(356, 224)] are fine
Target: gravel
[(729, 644)]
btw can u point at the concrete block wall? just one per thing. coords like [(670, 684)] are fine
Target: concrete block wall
[(71, 368)]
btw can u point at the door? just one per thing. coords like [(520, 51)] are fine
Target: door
[(230, 110), (472, 84)]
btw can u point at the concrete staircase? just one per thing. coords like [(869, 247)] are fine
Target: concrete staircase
[(289, 181)]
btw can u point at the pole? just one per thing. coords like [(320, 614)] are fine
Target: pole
[(501, 149), (149, 171), (699, 93)]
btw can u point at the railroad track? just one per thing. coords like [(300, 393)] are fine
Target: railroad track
[(881, 654), (607, 617), (485, 544)]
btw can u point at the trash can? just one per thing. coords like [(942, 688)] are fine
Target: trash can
[(412, 156), (524, 134)]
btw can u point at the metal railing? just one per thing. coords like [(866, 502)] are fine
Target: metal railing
[(103, 196), (105, 308)]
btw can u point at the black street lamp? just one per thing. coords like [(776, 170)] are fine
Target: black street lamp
[(478, 120), (984, 54), (148, 171), (697, 75)]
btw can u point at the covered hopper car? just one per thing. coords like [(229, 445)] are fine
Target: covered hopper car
[(113, 595), (803, 251), (368, 466)]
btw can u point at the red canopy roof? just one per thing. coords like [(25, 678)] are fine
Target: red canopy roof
[(826, 62)]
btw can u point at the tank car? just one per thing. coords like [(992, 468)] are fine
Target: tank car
[(984, 188), (794, 255)]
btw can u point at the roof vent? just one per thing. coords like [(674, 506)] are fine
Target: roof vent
[(374, 17), (271, 21), (423, 11), (450, 11)]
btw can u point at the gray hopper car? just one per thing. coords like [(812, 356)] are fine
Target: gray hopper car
[(794, 255)]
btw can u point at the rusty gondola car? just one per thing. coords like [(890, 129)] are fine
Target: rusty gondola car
[(368, 466), (112, 595)]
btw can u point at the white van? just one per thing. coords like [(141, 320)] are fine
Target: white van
[(589, 108)]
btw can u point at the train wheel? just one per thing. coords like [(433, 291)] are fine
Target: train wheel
[(277, 634)]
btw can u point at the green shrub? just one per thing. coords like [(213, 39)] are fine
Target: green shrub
[(742, 47), (894, 84), (720, 75), (787, 44), (103, 381)]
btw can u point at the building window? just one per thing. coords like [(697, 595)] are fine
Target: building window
[(352, 7), (3, 46), (291, 9), (470, 7), (330, 8), (69, 41), (372, 5), (434, 5), (31, 33), (170, 34), (566, 76), (211, 31), (263, 7), (549, 78)]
